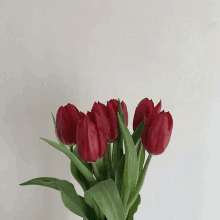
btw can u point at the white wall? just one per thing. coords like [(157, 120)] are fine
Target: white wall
[(55, 52)]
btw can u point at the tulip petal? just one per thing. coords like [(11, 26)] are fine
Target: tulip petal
[(93, 141), (82, 142), (153, 114), (113, 120), (170, 122), (67, 119), (101, 136), (158, 134), (101, 110), (142, 111), (125, 112), (114, 103)]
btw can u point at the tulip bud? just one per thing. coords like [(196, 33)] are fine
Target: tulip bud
[(101, 110), (91, 138), (67, 118), (143, 111), (156, 136), (153, 114), (112, 109), (125, 112)]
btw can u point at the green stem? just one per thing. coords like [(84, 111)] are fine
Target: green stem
[(96, 172), (139, 150), (71, 148), (140, 182), (109, 160)]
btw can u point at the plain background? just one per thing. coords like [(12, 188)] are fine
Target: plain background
[(75, 51)]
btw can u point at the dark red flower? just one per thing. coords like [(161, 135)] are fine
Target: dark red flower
[(157, 131), (101, 110), (143, 111), (91, 137), (112, 109), (67, 118)]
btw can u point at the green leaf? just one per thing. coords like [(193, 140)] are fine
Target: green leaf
[(92, 203), (104, 174), (138, 132), (43, 181), (70, 198), (84, 183), (130, 174), (117, 151), (72, 201), (119, 175), (141, 160), (134, 208), (87, 165), (107, 197), (105, 166), (99, 164), (82, 168)]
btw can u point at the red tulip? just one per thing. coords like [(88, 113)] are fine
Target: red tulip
[(143, 111), (112, 109), (101, 110), (91, 137), (156, 133), (67, 118)]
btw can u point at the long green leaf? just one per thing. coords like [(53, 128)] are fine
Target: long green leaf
[(83, 182), (107, 197), (117, 151), (87, 165), (131, 164), (134, 208), (80, 178), (141, 160), (42, 181), (82, 168), (99, 164), (74, 202), (119, 175), (138, 132), (92, 203)]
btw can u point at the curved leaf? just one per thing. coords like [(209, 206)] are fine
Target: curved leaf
[(42, 181), (87, 165), (119, 175), (141, 160), (80, 178), (117, 151), (134, 208), (74, 202), (138, 132), (92, 204), (83, 182), (130, 174), (77, 162), (107, 197)]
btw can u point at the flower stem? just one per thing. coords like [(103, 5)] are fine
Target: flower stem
[(96, 172), (140, 182), (71, 148), (139, 150), (109, 160)]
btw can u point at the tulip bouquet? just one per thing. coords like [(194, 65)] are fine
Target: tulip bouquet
[(105, 159)]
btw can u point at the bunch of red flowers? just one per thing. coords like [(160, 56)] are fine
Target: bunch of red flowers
[(113, 181), (92, 132)]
